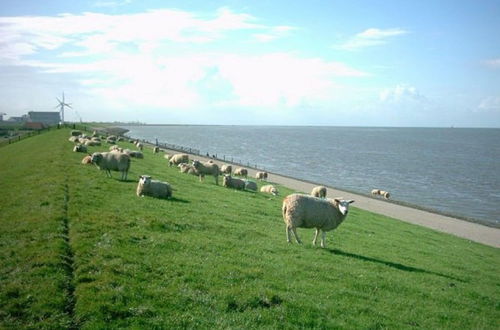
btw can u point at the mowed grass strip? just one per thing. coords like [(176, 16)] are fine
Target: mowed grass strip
[(216, 257)]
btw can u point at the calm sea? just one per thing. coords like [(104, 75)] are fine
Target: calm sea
[(450, 170)]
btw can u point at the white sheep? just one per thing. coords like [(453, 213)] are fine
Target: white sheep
[(319, 191), (269, 189), (153, 188), (139, 146), (92, 143), (187, 168), (80, 148), (226, 169), (206, 169), (112, 161), (304, 211), (230, 182), (383, 193), (178, 158), (241, 172), (261, 175)]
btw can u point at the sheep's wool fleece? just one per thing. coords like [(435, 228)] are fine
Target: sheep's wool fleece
[(311, 212)]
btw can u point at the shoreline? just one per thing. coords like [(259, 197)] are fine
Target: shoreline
[(453, 225)]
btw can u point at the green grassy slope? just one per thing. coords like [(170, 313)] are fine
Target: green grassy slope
[(82, 250)]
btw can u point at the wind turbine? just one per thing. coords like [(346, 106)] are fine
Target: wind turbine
[(61, 106)]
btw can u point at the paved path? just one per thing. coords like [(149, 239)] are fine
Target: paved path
[(461, 228)]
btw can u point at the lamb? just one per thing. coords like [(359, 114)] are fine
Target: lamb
[(112, 161), (87, 160), (80, 148), (230, 182), (270, 189), (383, 193), (178, 158), (261, 175), (304, 211), (226, 169), (153, 188), (206, 169), (319, 191), (241, 172)]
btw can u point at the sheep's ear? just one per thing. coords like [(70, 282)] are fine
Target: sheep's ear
[(336, 200), (350, 201)]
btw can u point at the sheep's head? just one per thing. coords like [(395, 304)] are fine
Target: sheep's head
[(343, 205), (225, 180), (96, 158), (274, 191), (144, 179), (196, 163)]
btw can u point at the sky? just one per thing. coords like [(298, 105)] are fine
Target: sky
[(316, 62)]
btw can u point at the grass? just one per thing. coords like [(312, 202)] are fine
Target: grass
[(79, 250)]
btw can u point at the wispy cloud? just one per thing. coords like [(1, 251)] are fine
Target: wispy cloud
[(274, 33), (492, 63), (489, 104), (401, 93), (102, 4), (370, 38)]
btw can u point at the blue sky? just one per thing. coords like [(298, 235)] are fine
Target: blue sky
[(356, 63)]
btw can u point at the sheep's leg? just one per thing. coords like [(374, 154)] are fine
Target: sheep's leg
[(315, 236), (108, 173), (294, 231), (323, 239), (287, 234)]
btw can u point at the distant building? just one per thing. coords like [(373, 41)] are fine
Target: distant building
[(46, 118), (18, 119), (34, 125)]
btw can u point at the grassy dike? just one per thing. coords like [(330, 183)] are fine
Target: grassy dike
[(79, 250)]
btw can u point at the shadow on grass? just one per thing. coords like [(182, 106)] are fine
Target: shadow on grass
[(178, 200), (392, 264)]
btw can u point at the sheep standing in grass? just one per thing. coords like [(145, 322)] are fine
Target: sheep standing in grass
[(269, 189), (319, 191), (206, 169), (226, 169), (153, 188), (178, 159), (241, 172), (112, 161), (230, 182), (304, 211), (261, 175)]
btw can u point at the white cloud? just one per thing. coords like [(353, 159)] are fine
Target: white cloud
[(492, 63), (401, 93), (489, 104), (371, 37), (274, 33)]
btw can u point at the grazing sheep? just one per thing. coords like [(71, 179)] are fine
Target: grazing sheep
[(112, 161), (304, 211), (153, 188), (156, 150), (250, 185), (241, 172), (270, 189), (226, 169), (87, 160), (206, 169), (178, 158), (230, 182), (383, 193), (80, 148), (187, 168), (319, 191), (261, 175), (139, 146)]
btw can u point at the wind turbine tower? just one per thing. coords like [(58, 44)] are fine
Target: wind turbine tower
[(61, 106)]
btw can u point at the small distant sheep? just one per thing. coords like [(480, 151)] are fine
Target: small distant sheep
[(250, 185), (241, 172), (115, 148), (230, 182), (139, 146), (80, 148), (206, 169), (261, 175), (226, 169), (112, 161), (187, 168), (153, 188), (178, 158), (269, 189), (90, 143), (156, 150), (382, 193), (319, 191), (304, 211), (87, 160)]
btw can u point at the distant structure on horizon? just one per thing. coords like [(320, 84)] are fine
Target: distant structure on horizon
[(46, 118)]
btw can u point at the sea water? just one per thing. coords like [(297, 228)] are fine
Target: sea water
[(455, 171)]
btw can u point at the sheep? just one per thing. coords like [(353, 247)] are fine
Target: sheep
[(92, 143), (153, 188), (270, 189), (230, 182), (139, 146), (87, 160), (167, 156), (156, 150), (226, 169), (111, 139), (250, 185), (319, 191), (304, 211), (115, 148), (134, 153), (261, 175), (80, 148), (112, 161), (178, 158), (206, 169), (74, 139), (187, 168), (76, 133), (241, 172), (383, 193)]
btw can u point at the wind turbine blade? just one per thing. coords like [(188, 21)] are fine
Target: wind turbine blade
[(58, 100), (69, 106)]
